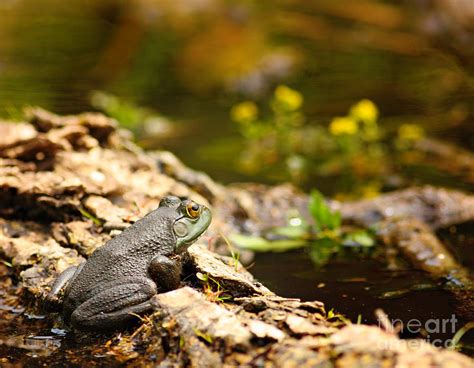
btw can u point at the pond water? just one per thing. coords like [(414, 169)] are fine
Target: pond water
[(357, 285), (193, 63), (357, 289)]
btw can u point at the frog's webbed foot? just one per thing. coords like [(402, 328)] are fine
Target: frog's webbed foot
[(118, 303), (166, 272)]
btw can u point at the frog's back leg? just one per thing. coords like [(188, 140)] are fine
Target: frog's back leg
[(115, 304)]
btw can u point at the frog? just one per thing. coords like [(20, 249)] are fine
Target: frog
[(119, 280)]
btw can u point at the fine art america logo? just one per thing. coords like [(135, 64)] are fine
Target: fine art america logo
[(425, 329)]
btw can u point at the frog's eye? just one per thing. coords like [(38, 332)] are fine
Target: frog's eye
[(193, 210)]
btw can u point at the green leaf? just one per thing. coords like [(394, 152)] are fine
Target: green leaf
[(323, 216), (330, 313), (8, 264), (90, 216), (315, 209), (202, 276), (322, 249), (207, 337), (259, 244), (336, 220), (293, 232), (360, 238)]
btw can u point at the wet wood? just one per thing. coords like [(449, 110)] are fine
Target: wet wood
[(436, 207)]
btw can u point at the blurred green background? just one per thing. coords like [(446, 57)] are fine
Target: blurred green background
[(171, 71)]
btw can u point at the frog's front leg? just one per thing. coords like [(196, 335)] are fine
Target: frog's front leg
[(166, 272), (115, 304)]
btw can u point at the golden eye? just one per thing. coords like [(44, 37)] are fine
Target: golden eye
[(192, 209)]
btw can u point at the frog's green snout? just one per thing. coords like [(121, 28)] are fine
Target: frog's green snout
[(206, 215), (189, 228)]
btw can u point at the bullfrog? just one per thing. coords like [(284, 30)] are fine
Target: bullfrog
[(120, 277)]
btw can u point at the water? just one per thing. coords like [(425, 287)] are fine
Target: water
[(357, 285), (356, 288), (33, 343)]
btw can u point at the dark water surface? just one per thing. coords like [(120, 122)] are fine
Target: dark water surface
[(358, 288)]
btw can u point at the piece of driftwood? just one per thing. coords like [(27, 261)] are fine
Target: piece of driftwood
[(436, 207), (68, 183), (448, 158), (408, 219)]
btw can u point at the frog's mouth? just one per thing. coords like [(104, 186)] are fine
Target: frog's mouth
[(187, 230)]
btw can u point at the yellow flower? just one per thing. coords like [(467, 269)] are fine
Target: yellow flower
[(343, 125), (410, 132), (365, 111), (244, 112), (371, 190), (290, 99)]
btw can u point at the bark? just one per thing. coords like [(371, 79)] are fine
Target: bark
[(68, 183)]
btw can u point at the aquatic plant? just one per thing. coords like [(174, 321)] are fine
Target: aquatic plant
[(285, 144), (324, 237)]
